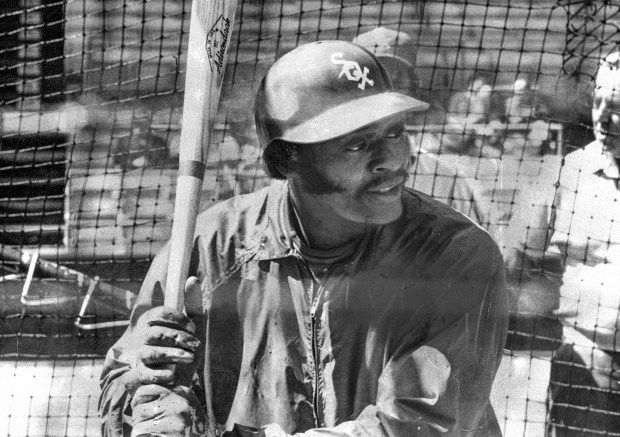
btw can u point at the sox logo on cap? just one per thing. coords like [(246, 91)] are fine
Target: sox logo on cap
[(352, 70)]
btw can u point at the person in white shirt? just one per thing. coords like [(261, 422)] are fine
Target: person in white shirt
[(576, 227)]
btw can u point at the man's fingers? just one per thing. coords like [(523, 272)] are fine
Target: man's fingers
[(183, 391), (191, 284), (169, 317), (169, 411), (164, 427), (168, 337), (149, 393), (160, 411), (150, 355), (164, 375), (164, 347)]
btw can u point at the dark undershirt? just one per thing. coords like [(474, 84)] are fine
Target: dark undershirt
[(321, 261)]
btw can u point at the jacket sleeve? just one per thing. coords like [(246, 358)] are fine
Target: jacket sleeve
[(439, 389), (114, 401)]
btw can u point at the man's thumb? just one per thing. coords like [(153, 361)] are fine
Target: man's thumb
[(191, 284), (193, 295)]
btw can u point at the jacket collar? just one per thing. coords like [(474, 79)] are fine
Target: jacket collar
[(594, 160), (276, 236)]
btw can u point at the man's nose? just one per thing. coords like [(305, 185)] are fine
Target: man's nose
[(390, 156)]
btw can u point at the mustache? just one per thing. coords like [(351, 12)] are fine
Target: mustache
[(396, 177)]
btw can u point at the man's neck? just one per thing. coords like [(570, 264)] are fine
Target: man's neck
[(323, 229)]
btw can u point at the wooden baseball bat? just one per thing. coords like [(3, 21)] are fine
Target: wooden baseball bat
[(210, 35)]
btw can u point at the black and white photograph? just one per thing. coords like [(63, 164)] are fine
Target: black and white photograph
[(309, 218)]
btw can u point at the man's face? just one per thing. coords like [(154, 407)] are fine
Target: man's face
[(606, 116), (358, 177)]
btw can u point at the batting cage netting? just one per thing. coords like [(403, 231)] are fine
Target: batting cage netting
[(91, 107)]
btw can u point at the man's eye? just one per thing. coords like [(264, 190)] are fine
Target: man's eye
[(356, 146)]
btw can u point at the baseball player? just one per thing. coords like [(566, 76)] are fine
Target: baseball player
[(334, 302)]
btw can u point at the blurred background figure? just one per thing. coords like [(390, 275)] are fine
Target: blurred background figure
[(524, 107), (455, 67), (140, 148), (240, 167), (228, 159), (471, 110), (473, 104), (241, 133), (249, 169), (518, 107), (572, 233)]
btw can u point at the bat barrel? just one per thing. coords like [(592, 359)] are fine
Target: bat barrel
[(210, 35)]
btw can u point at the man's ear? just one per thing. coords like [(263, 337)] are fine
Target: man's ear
[(288, 169)]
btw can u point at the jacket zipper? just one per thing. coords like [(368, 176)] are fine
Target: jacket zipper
[(316, 358), (315, 344)]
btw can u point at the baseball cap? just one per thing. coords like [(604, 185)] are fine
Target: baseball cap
[(324, 90)]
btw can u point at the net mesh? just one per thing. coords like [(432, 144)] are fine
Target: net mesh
[(91, 96)]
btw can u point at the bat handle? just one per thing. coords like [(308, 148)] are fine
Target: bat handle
[(186, 207)]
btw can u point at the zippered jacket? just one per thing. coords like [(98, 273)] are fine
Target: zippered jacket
[(402, 338)]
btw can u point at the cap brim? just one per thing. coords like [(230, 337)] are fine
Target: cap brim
[(351, 116)]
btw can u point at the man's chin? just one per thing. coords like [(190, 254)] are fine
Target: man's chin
[(385, 215)]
